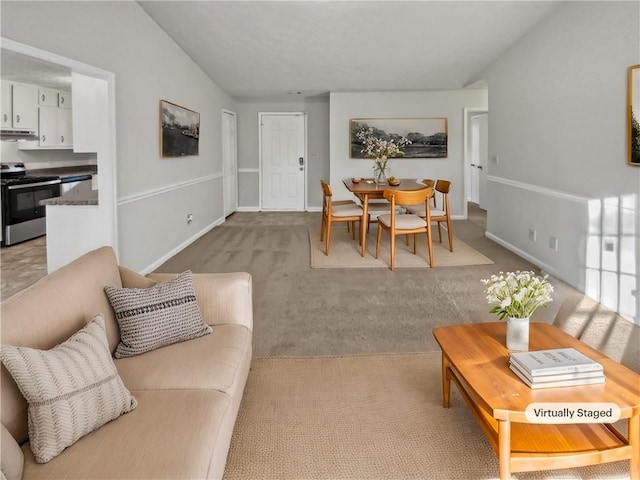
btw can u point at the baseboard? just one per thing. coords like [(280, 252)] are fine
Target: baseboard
[(181, 247)]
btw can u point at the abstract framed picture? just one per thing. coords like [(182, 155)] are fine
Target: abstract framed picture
[(428, 136), (179, 130), (633, 116)]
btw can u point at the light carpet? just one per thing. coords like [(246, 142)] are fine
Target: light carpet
[(364, 417), (344, 252)]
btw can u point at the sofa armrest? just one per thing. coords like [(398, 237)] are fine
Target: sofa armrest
[(223, 298)]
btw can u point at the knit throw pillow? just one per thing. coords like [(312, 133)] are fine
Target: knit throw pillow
[(151, 318), (71, 390)]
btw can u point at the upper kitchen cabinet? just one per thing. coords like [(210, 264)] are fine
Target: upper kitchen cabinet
[(19, 106), (54, 121)]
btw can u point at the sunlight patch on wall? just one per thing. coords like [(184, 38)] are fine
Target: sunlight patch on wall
[(612, 257)]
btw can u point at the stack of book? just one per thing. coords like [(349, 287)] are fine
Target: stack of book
[(561, 367)]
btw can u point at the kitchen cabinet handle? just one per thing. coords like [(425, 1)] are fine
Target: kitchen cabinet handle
[(61, 138), (43, 97), (18, 118), (44, 138), (5, 118), (61, 99)]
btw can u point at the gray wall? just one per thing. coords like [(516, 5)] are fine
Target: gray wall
[(557, 125), (154, 194), (317, 110)]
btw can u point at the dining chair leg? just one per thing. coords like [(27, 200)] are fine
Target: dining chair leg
[(379, 236), (407, 239), (328, 238), (439, 232), (430, 247), (415, 243), (353, 229), (322, 227), (393, 249), (450, 231)]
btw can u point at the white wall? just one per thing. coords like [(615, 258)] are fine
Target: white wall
[(557, 113), (154, 194), (450, 104), (317, 110)]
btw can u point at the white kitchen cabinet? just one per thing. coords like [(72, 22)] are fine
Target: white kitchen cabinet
[(47, 97), (54, 121), (7, 114), (64, 100), (19, 106)]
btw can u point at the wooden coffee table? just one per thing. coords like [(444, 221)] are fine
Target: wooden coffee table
[(475, 358)]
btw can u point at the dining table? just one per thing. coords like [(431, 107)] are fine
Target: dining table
[(366, 189)]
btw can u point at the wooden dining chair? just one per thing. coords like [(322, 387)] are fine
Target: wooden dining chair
[(429, 182), (438, 215), (340, 211), (406, 223)]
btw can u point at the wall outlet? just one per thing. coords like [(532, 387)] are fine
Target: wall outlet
[(533, 235), (189, 218), (553, 243)]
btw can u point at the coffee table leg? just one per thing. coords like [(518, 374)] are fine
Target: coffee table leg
[(504, 448), (634, 442), (446, 382)]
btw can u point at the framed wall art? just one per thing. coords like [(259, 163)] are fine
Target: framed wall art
[(428, 136), (179, 130), (633, 116)]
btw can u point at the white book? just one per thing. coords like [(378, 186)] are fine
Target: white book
[(557, 377), (554, 361), (562, 383)]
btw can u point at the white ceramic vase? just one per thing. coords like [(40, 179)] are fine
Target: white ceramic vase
[(518, 334)]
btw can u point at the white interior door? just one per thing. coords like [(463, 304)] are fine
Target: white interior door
[(479, 159), (230, 161), (282, 160)]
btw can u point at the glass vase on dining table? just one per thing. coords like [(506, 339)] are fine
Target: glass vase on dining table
[(381, 171)]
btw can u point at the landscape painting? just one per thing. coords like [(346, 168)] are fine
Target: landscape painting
[(428, 136), (179, 130), (633, 131)]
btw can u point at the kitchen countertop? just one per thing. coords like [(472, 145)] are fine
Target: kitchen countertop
[(88, 198), (64, 172)]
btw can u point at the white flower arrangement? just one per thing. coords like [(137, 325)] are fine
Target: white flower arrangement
[(380, 149), (517, 294)]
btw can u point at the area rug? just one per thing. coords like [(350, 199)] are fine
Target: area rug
[(344, 252), (364, 417)]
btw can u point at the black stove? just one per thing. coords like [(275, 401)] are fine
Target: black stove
[(15, 173), (23, 217)]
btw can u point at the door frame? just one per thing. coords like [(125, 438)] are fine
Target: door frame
[(468, 113), (224, 171), (107, 154), (306, 154)]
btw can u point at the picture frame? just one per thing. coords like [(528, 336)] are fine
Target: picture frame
[(633, 116), (179, 130), (429, 136)]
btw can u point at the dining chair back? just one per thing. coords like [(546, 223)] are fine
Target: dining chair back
[(429, 182), (406, 223), (439, 215), (344, 211)]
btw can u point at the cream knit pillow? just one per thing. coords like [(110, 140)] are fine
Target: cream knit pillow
[(151, 318), (72, 389)]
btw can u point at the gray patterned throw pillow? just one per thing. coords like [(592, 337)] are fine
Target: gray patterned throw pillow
[(72, 389), (151, 318)]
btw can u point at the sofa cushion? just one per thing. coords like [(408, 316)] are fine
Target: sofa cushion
[(213, 362), (171, 435), (11, 457), (72, 389), (153, 317)]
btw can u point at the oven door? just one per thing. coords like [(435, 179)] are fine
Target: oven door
[(23, 201)]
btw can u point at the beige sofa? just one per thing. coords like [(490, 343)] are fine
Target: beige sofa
[(188, 393)]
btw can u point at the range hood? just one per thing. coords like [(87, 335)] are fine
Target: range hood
[(18, 135)]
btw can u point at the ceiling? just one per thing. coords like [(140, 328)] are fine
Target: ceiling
[(17, 67), (272, 49)]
